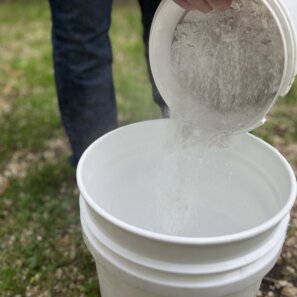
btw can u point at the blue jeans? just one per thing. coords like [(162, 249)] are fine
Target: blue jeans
[(82, 64)]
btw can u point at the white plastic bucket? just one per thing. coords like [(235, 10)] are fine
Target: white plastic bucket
[(169, 15), (237, 213)]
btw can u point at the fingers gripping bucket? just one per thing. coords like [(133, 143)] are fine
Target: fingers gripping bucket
[(228, 247)]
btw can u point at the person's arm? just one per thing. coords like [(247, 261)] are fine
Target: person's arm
[(204, 5)]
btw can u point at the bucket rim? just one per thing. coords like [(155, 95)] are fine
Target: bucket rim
[(213, 240)]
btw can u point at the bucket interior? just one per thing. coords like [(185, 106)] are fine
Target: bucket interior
[(139, 176)]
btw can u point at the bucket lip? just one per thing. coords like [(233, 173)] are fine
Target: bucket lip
[(214, 240)]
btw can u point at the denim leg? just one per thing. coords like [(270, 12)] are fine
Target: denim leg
[(148, 9), (82, 62)]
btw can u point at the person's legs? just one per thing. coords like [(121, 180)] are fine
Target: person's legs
[(82, 62), (148, 9)]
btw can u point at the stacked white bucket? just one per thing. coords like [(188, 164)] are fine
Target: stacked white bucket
[(134, 261)]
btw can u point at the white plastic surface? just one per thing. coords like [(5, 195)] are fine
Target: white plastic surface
[(291, 6), (164, 24), (122, 218), (292, 9)]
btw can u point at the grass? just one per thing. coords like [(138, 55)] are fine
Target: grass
[(41, 248)]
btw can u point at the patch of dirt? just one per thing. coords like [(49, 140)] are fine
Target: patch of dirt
[(4, 183), (21, 161)]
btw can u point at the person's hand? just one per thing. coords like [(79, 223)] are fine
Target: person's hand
[(204, 5)]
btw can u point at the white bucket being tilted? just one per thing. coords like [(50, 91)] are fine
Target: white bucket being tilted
[(219, 235), (167, 18)]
